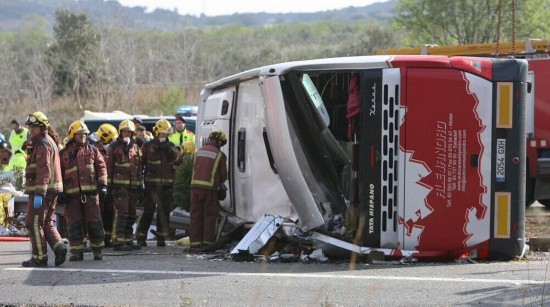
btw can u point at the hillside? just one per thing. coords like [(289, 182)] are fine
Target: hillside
[(111, 12)]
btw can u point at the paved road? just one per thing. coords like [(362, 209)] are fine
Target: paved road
[(167, 277)]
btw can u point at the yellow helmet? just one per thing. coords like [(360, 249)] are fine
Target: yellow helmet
[(218, 136), (126, 124), (106, 133), (188, 147), (77, 127), (37, 119), (162, 126)]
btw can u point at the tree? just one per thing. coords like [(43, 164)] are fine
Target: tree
[(30, 44), (75, 55), (448, 22)]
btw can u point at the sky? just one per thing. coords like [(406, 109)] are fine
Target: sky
[(228, 7)]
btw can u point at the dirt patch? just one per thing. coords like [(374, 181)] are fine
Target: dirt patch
[(537, 222)]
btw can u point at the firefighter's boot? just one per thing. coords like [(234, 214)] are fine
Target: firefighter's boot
[(122, 248), (60, 252), (133, 245), (76, 256), (107, 241), (32, 263), (97, 254)]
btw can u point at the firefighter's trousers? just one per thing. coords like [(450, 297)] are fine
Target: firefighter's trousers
[(107, 214), (125, 201), (204, 213), (159, 197), (41, 226), (84, 217)]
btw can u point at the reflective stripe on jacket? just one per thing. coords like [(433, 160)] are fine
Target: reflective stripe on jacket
[(83, 168), (158, 163), (124, 164), (210, 168), (43, 172)]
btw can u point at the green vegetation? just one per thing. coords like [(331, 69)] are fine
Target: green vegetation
[(450, 22)]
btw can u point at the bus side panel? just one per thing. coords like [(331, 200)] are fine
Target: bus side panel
[(446, 148)]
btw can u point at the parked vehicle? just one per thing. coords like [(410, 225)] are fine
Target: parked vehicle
[(187, 111), (95, 119), (420, 156)]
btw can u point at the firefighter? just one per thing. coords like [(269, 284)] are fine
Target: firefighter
[(126, 183), (181, 134), (43, 184), (84, 177), (160, 156), (209, 172), (106, 134)]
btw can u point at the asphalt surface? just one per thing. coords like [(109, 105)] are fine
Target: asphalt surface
[(166, 276)]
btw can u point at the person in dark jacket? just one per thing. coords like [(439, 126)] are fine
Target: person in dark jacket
[(106, 135), (160, 156), (209, 173), (126, 182)]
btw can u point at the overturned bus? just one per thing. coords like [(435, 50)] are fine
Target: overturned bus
[(421, 156)]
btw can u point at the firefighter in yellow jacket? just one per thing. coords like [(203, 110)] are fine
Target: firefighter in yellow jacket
[(43, 184), (158, 161), (84, 178), (126, 182), (209, 172)]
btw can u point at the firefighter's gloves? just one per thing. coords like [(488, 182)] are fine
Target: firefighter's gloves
[(110, 195), (103, 190), (164, 145), (62, 198), (38, 201)]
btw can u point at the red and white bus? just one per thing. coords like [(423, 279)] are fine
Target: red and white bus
[(421, 156)]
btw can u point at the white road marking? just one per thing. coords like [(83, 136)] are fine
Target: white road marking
[(293, 275)]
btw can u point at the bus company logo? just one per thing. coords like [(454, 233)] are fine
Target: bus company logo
[(372, 109), (371, 208)]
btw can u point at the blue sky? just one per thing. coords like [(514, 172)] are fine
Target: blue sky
[(228, 7)]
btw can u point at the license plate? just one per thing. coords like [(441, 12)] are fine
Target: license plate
[(500, 164)]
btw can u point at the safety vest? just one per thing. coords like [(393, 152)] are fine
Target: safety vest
[(17, 139), (179, 137), (17, 161)]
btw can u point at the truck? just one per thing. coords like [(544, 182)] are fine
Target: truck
[(406, 155), (536, 52)]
